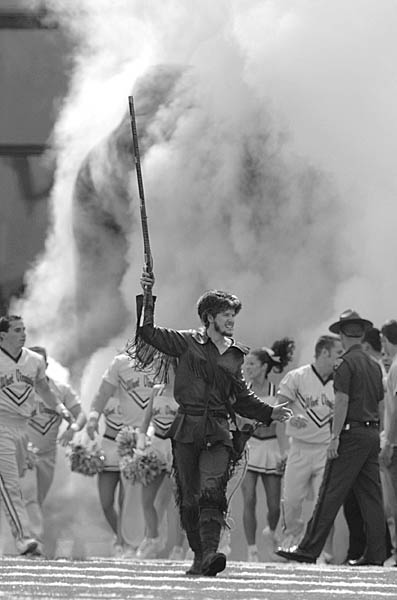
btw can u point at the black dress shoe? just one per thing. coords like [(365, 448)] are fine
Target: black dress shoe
[(363, 562), (296, 554)]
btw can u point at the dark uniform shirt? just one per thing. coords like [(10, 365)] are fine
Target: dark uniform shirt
[(360, 377), (205, 381)]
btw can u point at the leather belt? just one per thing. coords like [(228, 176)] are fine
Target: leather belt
[(199, 412), (354, 424)]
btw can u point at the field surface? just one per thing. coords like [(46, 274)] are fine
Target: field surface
[(100, 579)]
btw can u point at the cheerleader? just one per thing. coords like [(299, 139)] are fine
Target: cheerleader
[(267, 447), (158, 417)]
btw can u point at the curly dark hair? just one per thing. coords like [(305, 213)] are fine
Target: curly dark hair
[(278, 356), (214, 302)]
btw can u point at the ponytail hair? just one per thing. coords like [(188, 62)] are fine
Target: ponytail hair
[(284, 350), (277, 357)]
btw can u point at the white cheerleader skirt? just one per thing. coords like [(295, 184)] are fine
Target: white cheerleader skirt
[(264, 456)]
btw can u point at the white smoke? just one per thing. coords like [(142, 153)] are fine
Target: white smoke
[(278, 181)]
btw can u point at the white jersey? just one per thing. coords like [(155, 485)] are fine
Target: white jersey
[(390, 397), (17, 379), (43, 425), (163, 411), (313, 398), (134, 388), (114, 419)]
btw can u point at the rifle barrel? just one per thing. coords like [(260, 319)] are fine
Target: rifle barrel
[(144, 221)]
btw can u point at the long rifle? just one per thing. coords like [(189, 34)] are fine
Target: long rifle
[(148, 259)]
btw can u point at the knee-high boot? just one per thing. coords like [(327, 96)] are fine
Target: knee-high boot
[(210, 531), (193, 537)]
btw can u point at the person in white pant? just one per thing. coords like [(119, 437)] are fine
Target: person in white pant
[(21, 372), (43, 431), (310, 395)]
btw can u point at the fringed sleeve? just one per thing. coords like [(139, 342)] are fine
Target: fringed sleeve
[(248, 404), (153, 349)]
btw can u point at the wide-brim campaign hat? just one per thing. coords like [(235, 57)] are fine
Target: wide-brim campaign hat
[(350, 317)]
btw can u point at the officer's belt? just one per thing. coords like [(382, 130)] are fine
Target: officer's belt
[(354, 424), (199, 412)]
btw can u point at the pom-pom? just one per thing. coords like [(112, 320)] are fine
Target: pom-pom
[(126, 441), (142, 467), (87, 461)]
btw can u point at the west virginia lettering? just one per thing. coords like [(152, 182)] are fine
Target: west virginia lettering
[(24, 378), (6, 380), (312, 402)]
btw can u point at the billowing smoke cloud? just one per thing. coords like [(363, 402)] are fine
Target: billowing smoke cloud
[(266, 167)]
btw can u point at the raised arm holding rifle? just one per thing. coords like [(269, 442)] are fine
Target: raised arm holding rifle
[(209, 386)]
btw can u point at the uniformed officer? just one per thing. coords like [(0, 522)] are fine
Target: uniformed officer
[(353, 451)]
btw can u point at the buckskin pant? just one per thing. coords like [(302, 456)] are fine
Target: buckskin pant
[(201, 473)]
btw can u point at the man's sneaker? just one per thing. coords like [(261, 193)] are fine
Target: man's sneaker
[(26, 546), (389, 562), (253, 555), (129, 552), (150, 549), (177, 553), (325, 558)]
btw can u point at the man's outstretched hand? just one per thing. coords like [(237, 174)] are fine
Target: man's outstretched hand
[(147, 281), (281, 412)]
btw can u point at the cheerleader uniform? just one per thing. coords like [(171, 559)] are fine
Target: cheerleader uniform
[(164, 410), (263, 447), (113, 424)]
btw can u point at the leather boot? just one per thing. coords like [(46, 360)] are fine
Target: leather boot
[(193, 536), (213, 562)]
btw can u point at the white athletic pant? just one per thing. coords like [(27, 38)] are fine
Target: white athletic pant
[(13, 444), (35, 486), (302, 478)]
